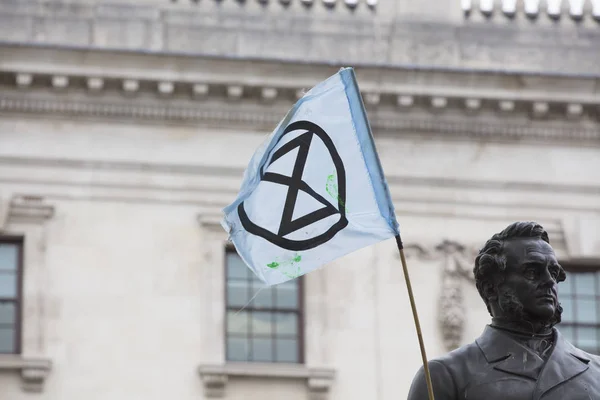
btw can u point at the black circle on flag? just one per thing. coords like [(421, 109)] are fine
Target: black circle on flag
[(295, 184)]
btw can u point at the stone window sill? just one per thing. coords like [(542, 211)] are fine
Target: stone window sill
[(33, 371), (215, 377)]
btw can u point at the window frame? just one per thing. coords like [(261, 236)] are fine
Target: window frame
[(299, 311), (19, 241), (572, 269)]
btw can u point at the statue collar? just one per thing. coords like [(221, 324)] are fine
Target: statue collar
[(523, 328)]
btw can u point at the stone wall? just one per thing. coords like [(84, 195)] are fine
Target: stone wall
[(132, 291)]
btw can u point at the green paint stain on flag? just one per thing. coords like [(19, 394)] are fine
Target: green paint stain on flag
[(289, 267), (332, 189)]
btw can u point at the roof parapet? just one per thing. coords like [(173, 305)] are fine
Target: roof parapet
[(532, 9)]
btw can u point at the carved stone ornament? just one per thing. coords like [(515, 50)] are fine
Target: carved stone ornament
[(457, 265), (457, 268), (215, 377)]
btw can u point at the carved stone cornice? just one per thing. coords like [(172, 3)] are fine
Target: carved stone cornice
[(451, 125)]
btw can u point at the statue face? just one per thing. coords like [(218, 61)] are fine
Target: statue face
[(530, 277)]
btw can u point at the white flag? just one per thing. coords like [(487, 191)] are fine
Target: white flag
[(315, 190)]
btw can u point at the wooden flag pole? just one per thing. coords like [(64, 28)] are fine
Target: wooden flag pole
[(416, 317)]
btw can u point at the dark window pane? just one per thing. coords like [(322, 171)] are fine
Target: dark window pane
[(236, 268), (238, 349), (7, 340), (8, 284), (587, 338), (287, 350), (238, 293), (262, 349), (237, 322), (8, 256), (567, 305), (585, 284), (286, 324), (261, 322), (586, 311), (287, 295), (264, 299), (7, 313)]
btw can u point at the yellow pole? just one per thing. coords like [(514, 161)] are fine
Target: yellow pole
[(416, 317)]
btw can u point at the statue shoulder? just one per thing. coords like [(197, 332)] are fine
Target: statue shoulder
[(447, 373)]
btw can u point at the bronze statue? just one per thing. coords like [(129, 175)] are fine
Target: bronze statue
[(520, 355)]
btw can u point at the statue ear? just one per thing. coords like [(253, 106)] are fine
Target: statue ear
[(489, 289)]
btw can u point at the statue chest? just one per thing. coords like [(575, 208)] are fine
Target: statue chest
[(496, 385)]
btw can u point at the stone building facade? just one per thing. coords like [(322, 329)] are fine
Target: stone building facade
[(125, 127)]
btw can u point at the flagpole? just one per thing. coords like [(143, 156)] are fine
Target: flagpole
[(416, 317)]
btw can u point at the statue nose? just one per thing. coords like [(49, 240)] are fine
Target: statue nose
[(546, 277)]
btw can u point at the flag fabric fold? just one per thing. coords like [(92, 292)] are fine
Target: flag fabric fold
[(314, 191)]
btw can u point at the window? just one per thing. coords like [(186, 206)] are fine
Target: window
[(10, 294), (580, 298), (268, 329)]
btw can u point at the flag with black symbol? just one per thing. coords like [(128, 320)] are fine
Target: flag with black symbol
[(315, 190)]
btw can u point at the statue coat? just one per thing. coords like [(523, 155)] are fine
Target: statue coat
[(497, 367)]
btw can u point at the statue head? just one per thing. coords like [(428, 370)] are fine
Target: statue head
[(517, 275)]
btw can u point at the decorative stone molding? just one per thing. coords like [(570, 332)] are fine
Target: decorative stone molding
[(33, 371), (130, 86), (438, 102), (473, 104), (506, 105), (166, 88), (216, 377), (554, 9), (235, 92), (268, 94), (405, 101), (570, 107), (448, 124), (23, 80), (60, 82), (308, 3), (95, 84), (199, 90)]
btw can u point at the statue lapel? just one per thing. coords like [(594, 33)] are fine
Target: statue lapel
[(565, 362), (508, 355)]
